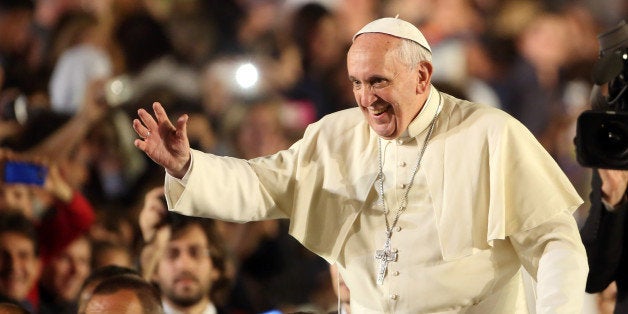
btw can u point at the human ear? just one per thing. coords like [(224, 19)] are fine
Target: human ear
[(214, 275), (424, 76)]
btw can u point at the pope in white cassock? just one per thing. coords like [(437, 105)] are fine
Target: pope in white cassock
[(427, 203)]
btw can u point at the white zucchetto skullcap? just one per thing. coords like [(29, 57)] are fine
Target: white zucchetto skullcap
[(395, 27)]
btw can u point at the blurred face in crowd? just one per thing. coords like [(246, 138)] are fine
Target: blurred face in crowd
[(185, 273), (19, 265), (389, 93), (121, 301), (261, 132), (16, 197), (111, 255), (66, 272), (15, 32)]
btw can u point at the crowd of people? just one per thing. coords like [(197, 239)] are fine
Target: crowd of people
[(251, 75)]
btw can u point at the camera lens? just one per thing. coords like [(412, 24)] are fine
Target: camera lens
[(612, 140)]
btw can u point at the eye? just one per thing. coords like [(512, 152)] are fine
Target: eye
[(356, 84), (379, 82), (172, 254)]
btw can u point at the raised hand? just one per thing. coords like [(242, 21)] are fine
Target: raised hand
[(155, 230), (153, 215), (164, 143)]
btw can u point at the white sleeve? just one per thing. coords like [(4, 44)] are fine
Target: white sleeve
[(555, 257), (228, 188), (173, 187)]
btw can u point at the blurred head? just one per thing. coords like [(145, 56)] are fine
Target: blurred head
[(64, 274), (545, 41), (142, 39), (105, 253), (98, 276), (391, 80), (192, 262), (261, 131), (16, 197), (124, 294), (10, 308), (314, 30), (19, 261), (16, 17)]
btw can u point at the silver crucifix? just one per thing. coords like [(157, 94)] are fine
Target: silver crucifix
[(384, 256)]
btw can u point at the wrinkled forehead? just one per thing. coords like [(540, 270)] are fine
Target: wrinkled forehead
[(373, 51), (373, 44)]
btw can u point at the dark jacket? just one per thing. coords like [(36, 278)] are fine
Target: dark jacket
[(604, 236)]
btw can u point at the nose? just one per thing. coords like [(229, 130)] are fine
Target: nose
[(185, 260), (365, 96), (73, 267)]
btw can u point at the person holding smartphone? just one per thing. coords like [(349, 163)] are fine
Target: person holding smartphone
[(33, 178)]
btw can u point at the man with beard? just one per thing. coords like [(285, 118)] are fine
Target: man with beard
[(189, 260)]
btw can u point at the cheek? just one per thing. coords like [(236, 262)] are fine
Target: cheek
[(356, 96), (60, 268), (165, 271), (84, 269)]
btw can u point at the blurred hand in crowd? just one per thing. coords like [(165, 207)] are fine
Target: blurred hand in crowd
[(155, 231), (94, 105), (153, 215)]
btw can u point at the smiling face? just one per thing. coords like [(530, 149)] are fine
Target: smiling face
[(19, 265), (64, 273), (389, 92)]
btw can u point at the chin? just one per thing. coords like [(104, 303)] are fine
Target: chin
[(387, 136)]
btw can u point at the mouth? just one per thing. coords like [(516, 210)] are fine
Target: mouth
[(185, 280), (379, 110)]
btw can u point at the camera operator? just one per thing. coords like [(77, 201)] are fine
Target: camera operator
[(604, 231)]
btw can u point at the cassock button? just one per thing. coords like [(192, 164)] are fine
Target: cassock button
[(402, 164), (402, 186), (394, 297), (399, 141), (395, 273), (398, 228)]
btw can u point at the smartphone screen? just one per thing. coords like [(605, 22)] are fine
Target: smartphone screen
[(24, 172)]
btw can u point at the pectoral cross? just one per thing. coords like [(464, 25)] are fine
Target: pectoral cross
[(384, 256)]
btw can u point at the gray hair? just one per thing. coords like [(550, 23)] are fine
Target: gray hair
[(411, 53)]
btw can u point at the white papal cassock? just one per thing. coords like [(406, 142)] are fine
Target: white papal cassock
[(486, 200)]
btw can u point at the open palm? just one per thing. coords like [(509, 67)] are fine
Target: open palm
[(165, 143)]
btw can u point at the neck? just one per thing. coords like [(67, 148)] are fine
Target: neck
[(195, 308)]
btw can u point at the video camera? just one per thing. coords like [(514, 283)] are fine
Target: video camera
[(602, 132)]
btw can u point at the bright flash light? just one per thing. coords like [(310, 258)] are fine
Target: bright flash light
[(117, 86), (246, 75)]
